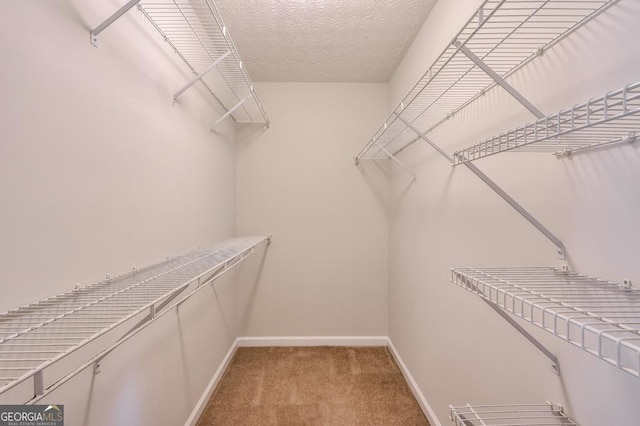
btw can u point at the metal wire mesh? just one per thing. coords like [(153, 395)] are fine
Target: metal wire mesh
[(512, 415), (37, 334), (506, 35), (601, 317), (612, 118), (194, 28)]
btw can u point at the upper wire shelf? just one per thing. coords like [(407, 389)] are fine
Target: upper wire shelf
[(609, 119), (196, 32), (511, 415), (36, 336), (505, 35), (598, 316)]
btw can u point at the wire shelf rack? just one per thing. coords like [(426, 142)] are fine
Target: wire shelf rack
[(196, 31), (512, 415), (612, 118), (35, 336), (598, 316), (505, 35)]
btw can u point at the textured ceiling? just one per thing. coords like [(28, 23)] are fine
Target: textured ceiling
[(323, 40)]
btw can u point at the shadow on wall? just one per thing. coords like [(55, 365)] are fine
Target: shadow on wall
[(247, 287)]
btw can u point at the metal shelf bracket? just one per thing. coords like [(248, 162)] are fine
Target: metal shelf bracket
[(229, 112), (394, 158), (38, 383), (555, 364), (499, 80), (199, 77), (110, 20), (426, 139), (562, 252)]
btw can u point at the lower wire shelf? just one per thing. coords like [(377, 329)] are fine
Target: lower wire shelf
[(600, 317), (512, 415), (37, 336)]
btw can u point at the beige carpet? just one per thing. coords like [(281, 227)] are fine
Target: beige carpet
[(312, 386)]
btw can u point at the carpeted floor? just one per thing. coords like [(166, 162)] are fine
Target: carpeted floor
[(324, 386)]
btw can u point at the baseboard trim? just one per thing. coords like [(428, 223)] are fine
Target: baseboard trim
[(313, 341), (206, 395), (417, 393)]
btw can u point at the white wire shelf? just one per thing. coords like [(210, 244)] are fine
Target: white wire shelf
[(612, 118), (511, 415), (598, 316), (196, 32), (35, 336), (505, 35)]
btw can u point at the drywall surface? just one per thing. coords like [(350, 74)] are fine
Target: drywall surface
[(458, 349), (326, 270), (98, 173)]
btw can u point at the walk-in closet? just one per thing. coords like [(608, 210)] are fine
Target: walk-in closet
[(320, 212)]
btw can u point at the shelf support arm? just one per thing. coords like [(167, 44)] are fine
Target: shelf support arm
[(562, 252), (554, 359), (472, 285), (394, 158), (425, 138), (499, 80), (199, 77), (494, 186), (110, 20), (228, 113)]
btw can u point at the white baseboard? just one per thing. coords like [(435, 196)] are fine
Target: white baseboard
[(313, 341), (417, 393), (204, 399)]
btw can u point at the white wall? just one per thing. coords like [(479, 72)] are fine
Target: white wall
[(99, 172), (456, 347), (326, 270)]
